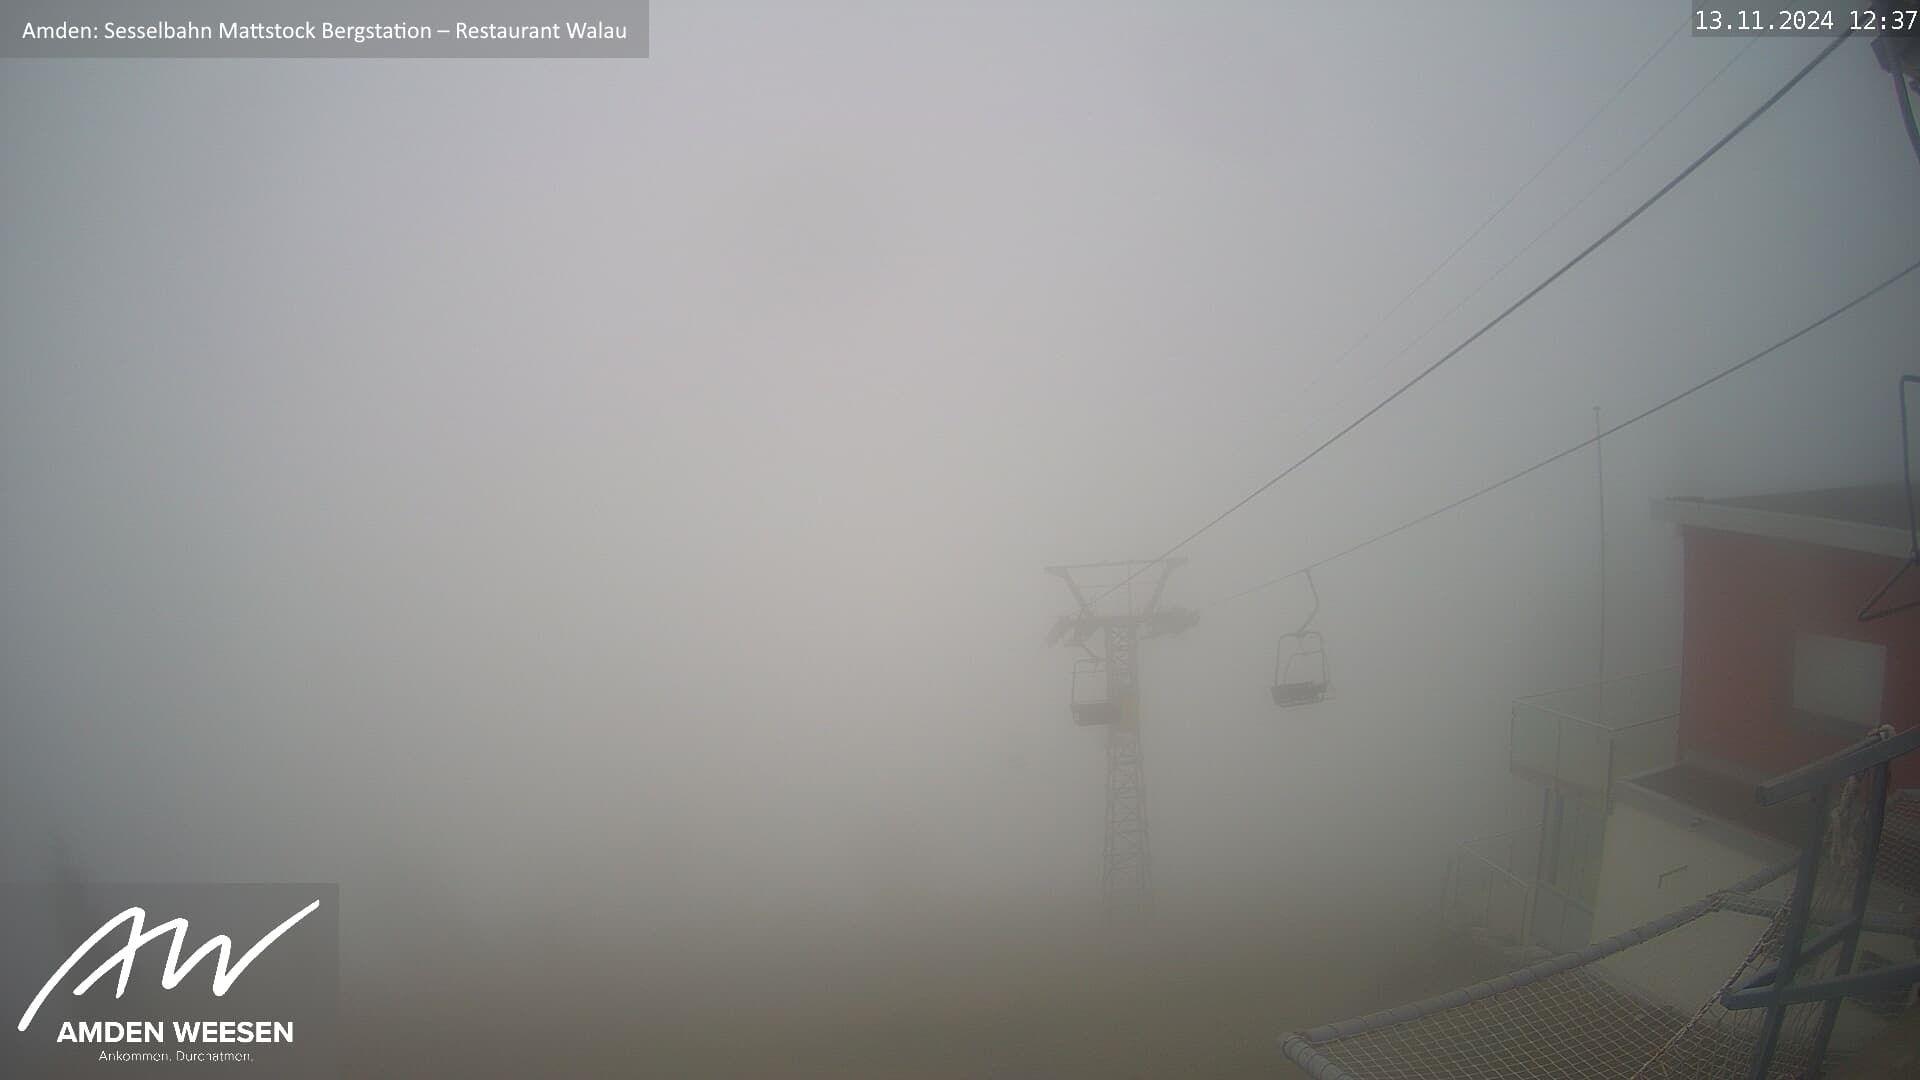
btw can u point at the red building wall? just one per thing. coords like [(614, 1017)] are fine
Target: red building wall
[(1746, 598)]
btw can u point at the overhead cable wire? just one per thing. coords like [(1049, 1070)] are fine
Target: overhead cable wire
[(1586, 197), (1584, 443), (1488, 327), (1489, 219)]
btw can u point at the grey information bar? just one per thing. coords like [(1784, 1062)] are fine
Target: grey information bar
[(324, 29)]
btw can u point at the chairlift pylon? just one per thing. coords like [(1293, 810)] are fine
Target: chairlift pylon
[(1300, 675)]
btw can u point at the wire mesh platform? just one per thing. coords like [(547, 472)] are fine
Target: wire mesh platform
[(1573, 1015), (1593, 1014)]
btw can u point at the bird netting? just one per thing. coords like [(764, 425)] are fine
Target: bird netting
[(1617, 1009), (1896, 869)]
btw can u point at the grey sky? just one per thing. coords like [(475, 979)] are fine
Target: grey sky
[(641, 471)]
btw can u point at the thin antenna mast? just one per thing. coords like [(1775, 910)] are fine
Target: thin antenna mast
[(1600, 510)]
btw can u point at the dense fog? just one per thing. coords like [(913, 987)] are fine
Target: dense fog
[(596, 512)]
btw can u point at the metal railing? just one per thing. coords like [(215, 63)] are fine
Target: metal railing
[(1589, 736), (1560, 922), (1491, 882), (1494, 888), (1781, 984)]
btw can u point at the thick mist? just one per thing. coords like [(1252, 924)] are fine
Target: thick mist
[(595, 512)]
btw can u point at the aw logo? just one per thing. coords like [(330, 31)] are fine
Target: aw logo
[(108, 979)]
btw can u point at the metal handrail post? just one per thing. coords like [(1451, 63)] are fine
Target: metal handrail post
[(1797, 912), (1862, 885)]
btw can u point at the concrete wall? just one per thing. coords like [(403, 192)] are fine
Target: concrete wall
[(1642, 845), (1687, 966)]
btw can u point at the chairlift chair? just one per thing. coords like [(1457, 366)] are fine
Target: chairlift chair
[(1300, 670), (1091, 703), (1300, 661)]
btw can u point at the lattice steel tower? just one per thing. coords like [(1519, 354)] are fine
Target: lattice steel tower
[(1106, 692)]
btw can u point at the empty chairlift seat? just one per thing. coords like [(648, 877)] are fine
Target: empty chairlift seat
[(1092, 704), (1300, 670), (1300, 661)]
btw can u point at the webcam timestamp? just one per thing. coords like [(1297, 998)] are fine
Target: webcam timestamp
[(1710, 21)]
